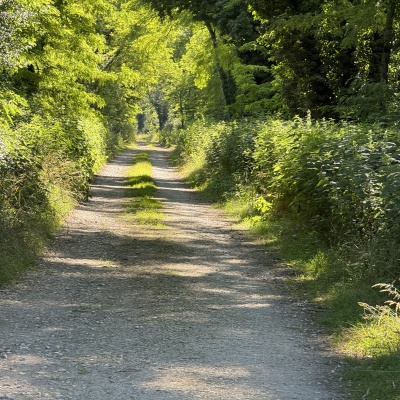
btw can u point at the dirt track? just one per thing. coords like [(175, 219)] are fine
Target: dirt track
[(193, 310)]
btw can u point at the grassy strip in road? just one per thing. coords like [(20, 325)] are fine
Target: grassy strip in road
[(141, 190)]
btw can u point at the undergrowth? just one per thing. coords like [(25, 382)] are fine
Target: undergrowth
[(46, 167)]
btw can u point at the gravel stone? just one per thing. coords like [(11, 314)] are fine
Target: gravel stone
[(194, 309)]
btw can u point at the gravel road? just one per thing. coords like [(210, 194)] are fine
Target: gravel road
[(190, 310)]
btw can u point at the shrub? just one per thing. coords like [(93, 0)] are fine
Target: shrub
[(340, 180), (45, 166)]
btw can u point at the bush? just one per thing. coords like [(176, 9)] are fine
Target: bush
[(340, 180), (45, 167)]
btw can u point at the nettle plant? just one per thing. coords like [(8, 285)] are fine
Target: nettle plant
[(390, 308)]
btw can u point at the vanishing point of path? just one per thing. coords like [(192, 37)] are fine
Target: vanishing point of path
[(191, 310)]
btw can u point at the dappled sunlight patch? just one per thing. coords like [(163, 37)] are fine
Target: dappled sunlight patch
[(6, 302), (175, 189), (52, 329), (219, 291), (17, 379), (373, 338), (88, 262), (187, 270), (28, 359), (205, 379), (253, 305), (177, 316), (249, 305)]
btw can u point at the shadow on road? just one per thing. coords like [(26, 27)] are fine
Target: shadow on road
[(191, 311)]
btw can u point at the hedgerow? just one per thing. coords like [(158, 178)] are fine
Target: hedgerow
[(342, 181), (45, 167)]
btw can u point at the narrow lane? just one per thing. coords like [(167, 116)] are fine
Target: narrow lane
[(191, 310)]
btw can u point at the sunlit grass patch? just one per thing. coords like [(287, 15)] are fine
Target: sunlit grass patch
[(375, 338), (143, 157), (373, 358), (147, 217), (146, 210), (141, 190), (379, 333), (149, 138), (141, 186)]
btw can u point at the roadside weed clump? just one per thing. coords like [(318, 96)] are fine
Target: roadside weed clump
[(373, 349), (381, 334), (141, 191)]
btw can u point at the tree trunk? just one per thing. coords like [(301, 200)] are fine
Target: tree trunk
[(161, 106), (387, 41), (222, 75), (381, 47)]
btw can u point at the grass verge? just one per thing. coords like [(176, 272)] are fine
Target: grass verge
[(141, 191), (367, 337)]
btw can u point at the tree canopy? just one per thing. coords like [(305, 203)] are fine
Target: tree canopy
[(177, 61)]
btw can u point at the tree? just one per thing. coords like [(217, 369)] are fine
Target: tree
[(16, 21), (328, 53), (216, 16), (140, 58)]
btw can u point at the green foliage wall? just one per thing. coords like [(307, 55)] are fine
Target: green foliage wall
[(339, 180), (65, 104)]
